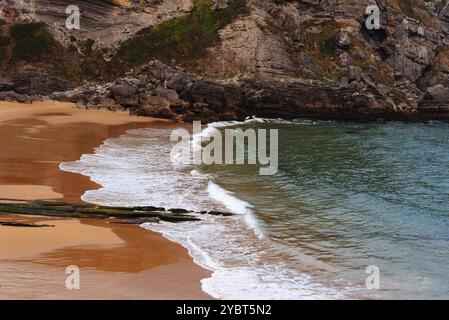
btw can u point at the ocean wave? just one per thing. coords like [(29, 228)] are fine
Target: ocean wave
[(236, 205), (243, 266), (135, 170)]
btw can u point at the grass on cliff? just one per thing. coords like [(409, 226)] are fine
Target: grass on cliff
[(323, 38), (319, 38), (441, 4), (407, 8), (320, 42), (184, 39), (31, 41)]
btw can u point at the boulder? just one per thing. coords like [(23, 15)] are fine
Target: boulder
[(438, 93), (155, 107), (309, 63), (295, 36), (168, 94), (354, 73), (14, 97), (104, 102), (343, 39), (179, 81), (6, 84), (119, 91)]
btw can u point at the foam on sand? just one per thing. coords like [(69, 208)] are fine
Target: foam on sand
[(136, 169)]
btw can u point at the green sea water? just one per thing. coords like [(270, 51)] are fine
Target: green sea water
[(348, 196)]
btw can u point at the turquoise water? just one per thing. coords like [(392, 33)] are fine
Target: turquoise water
[(348, 196)]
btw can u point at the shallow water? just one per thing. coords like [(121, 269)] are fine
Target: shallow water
[(346, 196)]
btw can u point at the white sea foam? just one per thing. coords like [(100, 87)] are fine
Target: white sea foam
[(230, 201), (135, 169), (243, 266)]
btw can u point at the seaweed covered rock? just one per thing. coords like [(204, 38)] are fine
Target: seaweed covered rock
[(127, 215)]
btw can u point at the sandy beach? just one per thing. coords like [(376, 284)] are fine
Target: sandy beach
[(115, 261)]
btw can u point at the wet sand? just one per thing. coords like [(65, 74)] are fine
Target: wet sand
[(115, 261)]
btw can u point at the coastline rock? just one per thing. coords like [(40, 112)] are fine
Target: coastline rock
[(154, 106), (15, 97), (120, 91), (138, 221), (274, 59), (6, 85), (438, 93), (343, 39)]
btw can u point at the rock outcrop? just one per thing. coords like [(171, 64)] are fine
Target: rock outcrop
[(169, 92), (235, 58), (107, 22)]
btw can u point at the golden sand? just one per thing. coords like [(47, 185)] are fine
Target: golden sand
[(25, 242), (28, 192), (116, 261)]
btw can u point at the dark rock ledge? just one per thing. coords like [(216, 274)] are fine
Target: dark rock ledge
[(122, 215), (23, 224), (168, 92)]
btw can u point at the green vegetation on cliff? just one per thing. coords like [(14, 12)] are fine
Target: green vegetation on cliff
[(321, 36), (408, 9), (31, 41), (184, 39)]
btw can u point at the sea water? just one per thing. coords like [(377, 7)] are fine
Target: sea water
[(346, 197)]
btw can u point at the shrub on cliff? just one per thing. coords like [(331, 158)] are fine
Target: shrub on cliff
[(185, 38), (31, 41)]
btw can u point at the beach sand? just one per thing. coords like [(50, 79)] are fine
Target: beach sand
[(115, 261)]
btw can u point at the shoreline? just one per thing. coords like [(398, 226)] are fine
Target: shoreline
[(36, 138)]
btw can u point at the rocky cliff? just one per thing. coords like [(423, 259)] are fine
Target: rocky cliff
[(227, 59)]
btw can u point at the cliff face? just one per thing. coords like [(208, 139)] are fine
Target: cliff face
[(107, 22), (285, 58)]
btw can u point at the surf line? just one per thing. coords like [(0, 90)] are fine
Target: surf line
[(260, 147)]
